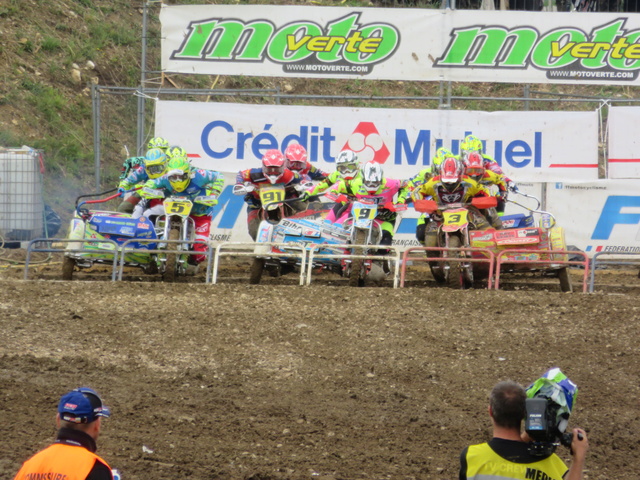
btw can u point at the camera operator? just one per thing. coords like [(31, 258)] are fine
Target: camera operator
[(507, 454)]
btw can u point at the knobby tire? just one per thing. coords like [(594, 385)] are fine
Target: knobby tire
[(171, 262)]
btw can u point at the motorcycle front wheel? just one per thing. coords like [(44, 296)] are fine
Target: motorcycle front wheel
[(454, 279), (170, 264), (68, 264), (257, 267), (357, 275)]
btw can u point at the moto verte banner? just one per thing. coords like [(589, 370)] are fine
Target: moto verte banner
[(401, 44)]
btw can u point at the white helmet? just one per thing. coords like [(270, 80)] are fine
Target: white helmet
[(372, 176), (347, 164)]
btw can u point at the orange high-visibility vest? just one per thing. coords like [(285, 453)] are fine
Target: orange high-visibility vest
[(59, 462)]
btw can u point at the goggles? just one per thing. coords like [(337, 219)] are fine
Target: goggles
[(474, 171), (155, 169), (296, 166), (177, 177), (272, 170), (347, 167)]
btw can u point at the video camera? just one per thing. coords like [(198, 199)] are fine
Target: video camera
[(548, 407)]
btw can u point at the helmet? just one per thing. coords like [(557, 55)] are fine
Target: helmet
[(440, 155), (155, 162), (273, 165), (474, 165), (175, 151), (347, 164), (372, 176), (451, 171), (158, 142), (296, 156), (179, 173), (471, 143)]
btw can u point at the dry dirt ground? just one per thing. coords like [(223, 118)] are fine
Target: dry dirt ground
[(278, 381)]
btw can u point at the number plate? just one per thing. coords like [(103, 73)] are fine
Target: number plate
[(178, 206)]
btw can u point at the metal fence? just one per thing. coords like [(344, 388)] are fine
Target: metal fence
[(117, 116)]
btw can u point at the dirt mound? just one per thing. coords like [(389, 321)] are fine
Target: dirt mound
[(234, 381)]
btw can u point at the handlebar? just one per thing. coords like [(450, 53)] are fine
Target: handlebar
[(95, 195)]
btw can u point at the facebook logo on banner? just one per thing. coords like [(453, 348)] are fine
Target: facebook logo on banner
[(612, 214)]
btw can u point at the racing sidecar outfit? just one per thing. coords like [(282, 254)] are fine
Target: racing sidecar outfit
[(202, 182), (256, 177)]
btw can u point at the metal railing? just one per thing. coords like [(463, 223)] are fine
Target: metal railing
[(113, 252), (500, 260), (245, 246), (123, 250), (595, 262), (490, 259), (370, 256)]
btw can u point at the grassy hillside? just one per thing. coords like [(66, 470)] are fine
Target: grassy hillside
[(52, 51)]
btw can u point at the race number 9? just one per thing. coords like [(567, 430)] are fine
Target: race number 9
[(363, 214)]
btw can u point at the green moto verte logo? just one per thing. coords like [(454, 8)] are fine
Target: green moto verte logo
[(343, 41), (607, 46)]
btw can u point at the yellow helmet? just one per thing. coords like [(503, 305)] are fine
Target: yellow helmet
[(158, 142), (471, 143), (155, 162), (179, 173), (439, 157)]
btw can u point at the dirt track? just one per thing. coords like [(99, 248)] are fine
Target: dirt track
[(232, 381)]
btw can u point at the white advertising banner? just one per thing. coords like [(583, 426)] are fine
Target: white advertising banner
[(602, 216), (401, 44), (624, 142), (530, 146)]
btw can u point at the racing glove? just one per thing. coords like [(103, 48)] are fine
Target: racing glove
[(304, 196)]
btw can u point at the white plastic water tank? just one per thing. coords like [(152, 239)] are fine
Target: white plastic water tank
[(21, 202)]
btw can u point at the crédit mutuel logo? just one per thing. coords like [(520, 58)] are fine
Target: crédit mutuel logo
[(341, 46), (608, 52)]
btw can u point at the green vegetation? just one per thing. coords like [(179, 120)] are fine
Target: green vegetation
[(43, 105)]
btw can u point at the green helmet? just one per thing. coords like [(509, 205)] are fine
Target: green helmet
[(440, 155), (179, 172), (175, 151), (158, 142)]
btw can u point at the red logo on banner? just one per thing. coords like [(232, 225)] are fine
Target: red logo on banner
[(367, 143)]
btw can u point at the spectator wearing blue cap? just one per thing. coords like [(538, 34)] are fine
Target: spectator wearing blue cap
[(72, 455)]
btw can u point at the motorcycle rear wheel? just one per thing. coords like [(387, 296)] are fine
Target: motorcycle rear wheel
[(68, 264), (357, 275), (257, 267), (171, 262), (565, 280)]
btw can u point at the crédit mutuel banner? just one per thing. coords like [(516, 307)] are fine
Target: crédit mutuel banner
[(401, 44), (530, 146)]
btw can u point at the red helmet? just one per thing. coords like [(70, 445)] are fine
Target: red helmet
[(296, 156), (273, 165), (451, 170), (474, 165)]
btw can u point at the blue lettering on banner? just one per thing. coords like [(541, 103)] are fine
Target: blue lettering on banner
[(612, 215), (231, 204), (413, 149), (411, 153), (407, 225)]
